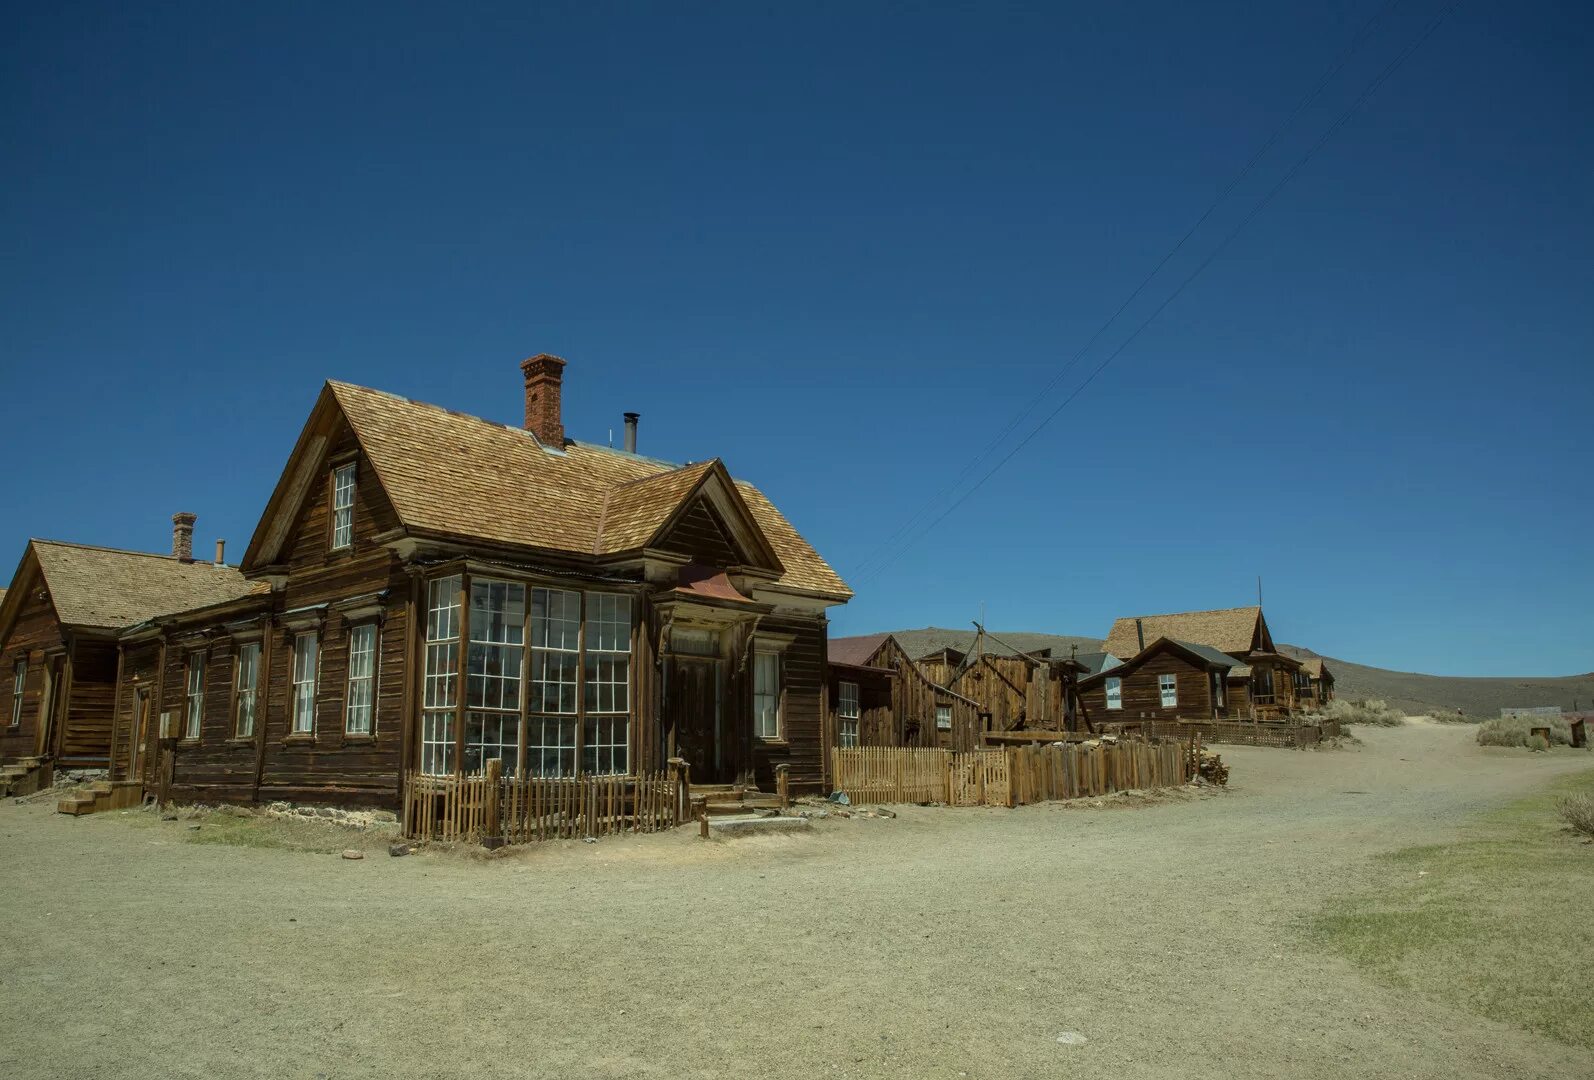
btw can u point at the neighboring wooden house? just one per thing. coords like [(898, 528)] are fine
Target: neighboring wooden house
[(1315, 683), (1260, 686), (59, 623), (923, 713), (444, 590), (859, 698), (1167, 680), (1019, 691)]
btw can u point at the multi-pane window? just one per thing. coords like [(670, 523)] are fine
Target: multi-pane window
[(847, 714), (195, 698), (943, 718), (492, 673), (343, 506), (306, 662), (1262, 686), (555, 662), (1115, 692), (1169, 685), (605, 737), (19, 686), (766, 695), (245, 678), (441, 679), (359, 709)]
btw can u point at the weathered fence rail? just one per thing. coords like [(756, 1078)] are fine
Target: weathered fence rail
[(521, 810), (1009, 776), (1276, 733)]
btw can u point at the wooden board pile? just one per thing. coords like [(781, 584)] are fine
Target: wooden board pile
[(1209, 766)]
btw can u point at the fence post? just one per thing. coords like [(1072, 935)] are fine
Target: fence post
[(683, 788), (783, 785)]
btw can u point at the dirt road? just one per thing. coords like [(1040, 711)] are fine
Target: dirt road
[(944, 943)]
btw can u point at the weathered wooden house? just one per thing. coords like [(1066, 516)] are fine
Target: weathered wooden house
[(436, 591), (859, 700), (923, 713), (1167, 680), (1315, 683), (1019, 691), (1262, 685), (59, 624)]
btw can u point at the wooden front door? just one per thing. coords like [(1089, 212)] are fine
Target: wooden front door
[(135, 749), (696, 713)]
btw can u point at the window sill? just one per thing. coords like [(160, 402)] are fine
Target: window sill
[(241, 740), (187, 743), (358, 739), (303, 738), (772, 740)]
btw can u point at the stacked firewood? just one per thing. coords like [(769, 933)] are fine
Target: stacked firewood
[(1210, 767)]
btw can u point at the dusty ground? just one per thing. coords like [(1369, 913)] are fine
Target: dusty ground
[(944, 943)]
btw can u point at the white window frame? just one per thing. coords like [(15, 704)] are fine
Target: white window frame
[(305, 680), (343, 478), (194, 695), (606, 678), (767, 695), (1168, 687), (495, 660), (1115, 692), (943, 718), (246, 681), (19, 689), (441, 679), (848, 712), (359, 698)]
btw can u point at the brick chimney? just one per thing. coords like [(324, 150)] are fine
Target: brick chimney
[(545, 376), (183, 536)]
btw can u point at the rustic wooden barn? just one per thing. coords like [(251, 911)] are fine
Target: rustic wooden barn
[(1262, 685), (923, 713), (58, 638), (1167, 680), (442, 591)]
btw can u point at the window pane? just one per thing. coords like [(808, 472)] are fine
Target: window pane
[(437, 743), (306, 653), (248, 666), (847, 703), (497, 638), (343, 506), (551, 746), (359, 715), (766, 695), (604, 745), (196, 694), (488, 737)]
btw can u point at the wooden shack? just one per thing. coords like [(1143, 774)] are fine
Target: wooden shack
[(437, 591), (1019, 691), (1167, 680), (1262, 684), (1314, 683), (59, 624), (923, 713)]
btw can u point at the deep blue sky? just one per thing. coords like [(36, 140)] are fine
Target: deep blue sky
[(841, 249)]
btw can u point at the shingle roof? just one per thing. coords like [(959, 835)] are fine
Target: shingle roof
[(1230, 630), (1216, 656), (1313, 666), (1096, 662), (108, 588), (921, 643), (458, 475), (854, 650)]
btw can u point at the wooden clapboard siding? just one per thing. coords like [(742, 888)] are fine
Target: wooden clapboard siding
[(802, 691), (701, 536), (310, 538), (34, 633), (1142, 693), (914, 700), (1016, 692)]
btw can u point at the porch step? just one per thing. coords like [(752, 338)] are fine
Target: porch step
[(26, 776), (720, 799), (102, 795), (749, 825)]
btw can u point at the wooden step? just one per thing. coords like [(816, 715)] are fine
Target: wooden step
[(77, 806)]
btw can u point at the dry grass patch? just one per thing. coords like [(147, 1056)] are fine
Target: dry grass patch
[(1518, 731), (1483, 923), (239, 826), (1373, 711), (1578, 812)]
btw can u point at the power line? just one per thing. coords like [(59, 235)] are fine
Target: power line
[(884, 548), (1372, 87)]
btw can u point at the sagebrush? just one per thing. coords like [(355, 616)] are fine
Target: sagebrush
[(1453, 716), (1578, 812), (1374, 711), (1518, 731)]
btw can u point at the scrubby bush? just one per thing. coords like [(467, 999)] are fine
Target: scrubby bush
[(1453, 716), (1373, 711), (1518, 731), (1578, 812)]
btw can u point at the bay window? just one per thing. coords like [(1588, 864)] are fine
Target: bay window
[(441, 679), (492, 674)]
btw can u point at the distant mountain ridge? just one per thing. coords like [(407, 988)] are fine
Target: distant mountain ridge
[(1413, 692)]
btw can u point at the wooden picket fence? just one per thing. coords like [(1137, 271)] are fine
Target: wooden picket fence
[(1011, 776), (522, 810)]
